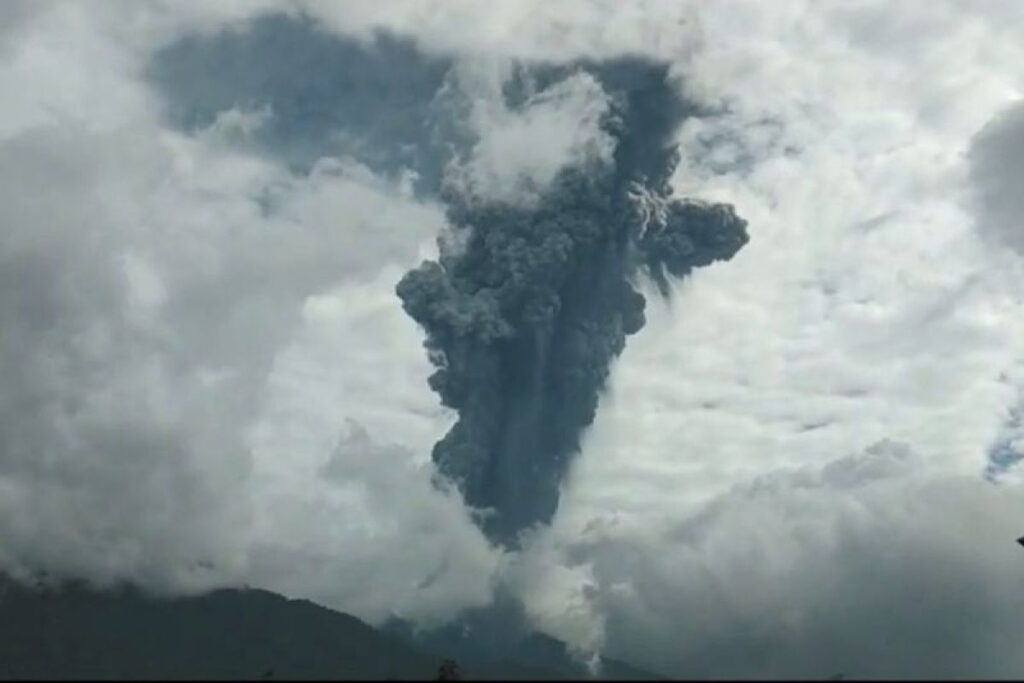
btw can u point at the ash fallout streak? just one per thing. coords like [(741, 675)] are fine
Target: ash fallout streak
[(524, 318)]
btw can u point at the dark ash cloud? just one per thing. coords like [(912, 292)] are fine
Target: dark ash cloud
[(526, 310), (327, 95), (997, 166), (525, 316)]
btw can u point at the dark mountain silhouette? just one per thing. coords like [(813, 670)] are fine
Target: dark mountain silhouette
[(74, 632)]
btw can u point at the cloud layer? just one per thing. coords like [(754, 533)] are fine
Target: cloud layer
[(206, 377)]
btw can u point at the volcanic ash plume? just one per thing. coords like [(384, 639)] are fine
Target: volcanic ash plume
[(524, 318)]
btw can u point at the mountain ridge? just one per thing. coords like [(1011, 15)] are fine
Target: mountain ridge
[(75, 632)]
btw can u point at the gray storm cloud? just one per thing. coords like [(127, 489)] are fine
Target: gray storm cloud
[(995, 166), (525, 316)]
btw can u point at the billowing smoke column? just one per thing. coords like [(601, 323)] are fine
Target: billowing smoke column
[(524, 319)]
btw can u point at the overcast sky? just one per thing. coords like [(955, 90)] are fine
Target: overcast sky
[(806, 461)]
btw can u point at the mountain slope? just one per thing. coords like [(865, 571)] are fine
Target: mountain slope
[(75, 632)]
